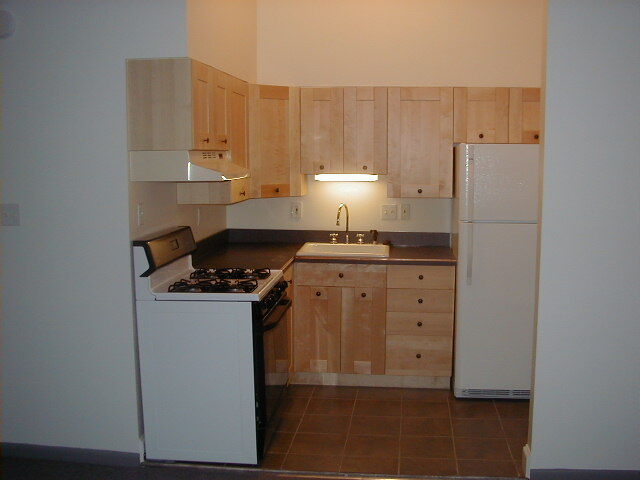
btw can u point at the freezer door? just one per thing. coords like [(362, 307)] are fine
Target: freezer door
[(495, 295), (497, 182)]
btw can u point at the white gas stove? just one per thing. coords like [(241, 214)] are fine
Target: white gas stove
[(210, 377)]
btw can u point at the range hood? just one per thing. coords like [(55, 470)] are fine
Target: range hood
[(183, 166)]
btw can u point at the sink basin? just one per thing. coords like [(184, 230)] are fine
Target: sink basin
[(312, 249)]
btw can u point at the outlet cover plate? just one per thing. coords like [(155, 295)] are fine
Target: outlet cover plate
[(405, 211), (388, 212)]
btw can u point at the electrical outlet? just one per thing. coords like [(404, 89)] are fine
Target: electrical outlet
[(140, 213), (405, 211), (296, 210), (10, 215), (389, 212)]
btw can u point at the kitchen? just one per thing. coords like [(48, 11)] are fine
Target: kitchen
[(212, 220)]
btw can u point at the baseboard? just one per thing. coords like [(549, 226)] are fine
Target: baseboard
[(357, 380), (67, 454), (570, 474)]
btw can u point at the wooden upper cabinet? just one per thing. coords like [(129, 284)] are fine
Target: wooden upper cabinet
[(183, 104), (343, 130), (420, 131), (481, 115), (496, 115), (321, 125), (365, 130), (274, 142), (524, 115)]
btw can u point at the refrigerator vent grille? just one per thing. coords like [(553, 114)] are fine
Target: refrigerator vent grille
[(487, 393)]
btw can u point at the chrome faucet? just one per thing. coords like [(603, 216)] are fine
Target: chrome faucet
[(346, 231)]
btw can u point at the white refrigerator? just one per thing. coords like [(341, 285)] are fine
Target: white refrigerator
[(495, 216)]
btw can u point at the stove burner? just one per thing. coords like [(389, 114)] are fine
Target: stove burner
[(231, 273), (215, 285)]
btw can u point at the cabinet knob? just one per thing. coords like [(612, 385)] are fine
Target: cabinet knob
[(419, 300), (419, 190), (419, 324), (536, 136), (418, 355), (363, 294), (481, 135), (321, 167), (318, 294), (420, 277), (341, 275), (243, 193), (205, 140), (364, 167), (224, 140), (277, 189)]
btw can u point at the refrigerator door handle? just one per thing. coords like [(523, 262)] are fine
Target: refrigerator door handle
[(469, 182), (469, 253)]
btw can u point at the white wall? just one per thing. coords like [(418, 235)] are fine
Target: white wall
[(160, 210), (586, 408), (223, 34), (400, 42), (68, 352), (320, 205)]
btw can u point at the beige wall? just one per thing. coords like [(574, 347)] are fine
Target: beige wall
[(400, 42), (158, 201), (319, 208), (222, 33)]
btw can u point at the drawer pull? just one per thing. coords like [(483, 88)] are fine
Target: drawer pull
[(364, 167), (277, 189), (420, 300), (481, 135), (420, 277), (363, 294), (321, 167), (318, 294), (419, 190), (341, 275), (419, 324), (418, 355), (205, 140)]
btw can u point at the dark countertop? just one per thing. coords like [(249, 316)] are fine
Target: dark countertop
[(279, 256)]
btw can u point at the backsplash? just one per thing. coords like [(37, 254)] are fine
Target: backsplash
[(160, 210), (320, 205)]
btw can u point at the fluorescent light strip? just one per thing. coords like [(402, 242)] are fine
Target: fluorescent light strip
[(346, 177)]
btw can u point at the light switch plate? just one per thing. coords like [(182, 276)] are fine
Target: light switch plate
[(10, 215), (389, 212), (405, 211)]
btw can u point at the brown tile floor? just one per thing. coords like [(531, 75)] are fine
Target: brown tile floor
[(398, 431)]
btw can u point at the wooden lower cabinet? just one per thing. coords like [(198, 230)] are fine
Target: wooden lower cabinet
[(316, 329), (419, 355), (363, 330)]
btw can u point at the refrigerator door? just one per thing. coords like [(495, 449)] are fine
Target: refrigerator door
[(495, 296), (497, 183)]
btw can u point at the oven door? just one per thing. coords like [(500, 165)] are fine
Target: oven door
[(277, 357)]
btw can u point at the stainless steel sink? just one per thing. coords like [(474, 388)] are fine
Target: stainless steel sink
[(312, 249)]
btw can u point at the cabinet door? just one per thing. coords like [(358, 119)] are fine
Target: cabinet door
[(220, 100), (316, 329), (363, 330), (420, 128), (321, 123), (365, 130), (524, 115), (237, 99), (203, 105), (481, 115), (274, 141)]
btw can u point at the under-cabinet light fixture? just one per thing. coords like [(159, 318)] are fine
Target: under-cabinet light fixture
[(346, 177)]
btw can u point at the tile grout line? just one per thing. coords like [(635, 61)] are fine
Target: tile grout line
[(298, 427), (346, 439), (513, 459), (453, 440)]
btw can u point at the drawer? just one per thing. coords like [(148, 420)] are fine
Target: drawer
[(340, 274), (412, 323), (418, 300), (418, 355), (421, 276)]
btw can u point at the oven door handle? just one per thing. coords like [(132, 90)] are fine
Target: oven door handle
[(283, 305)]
